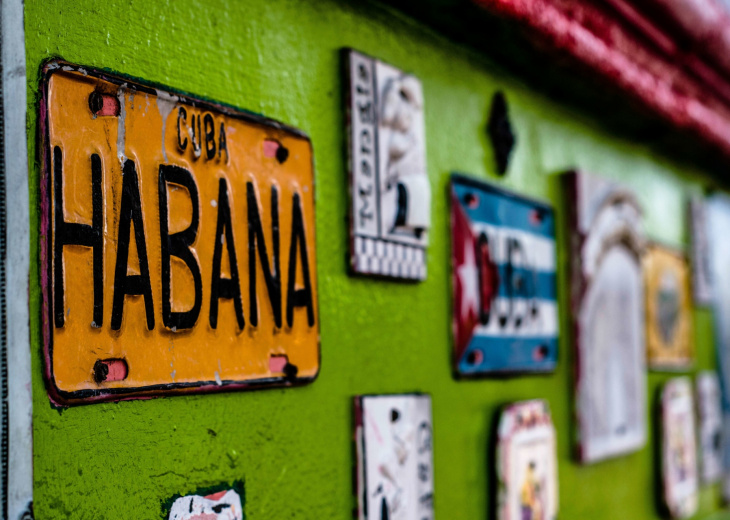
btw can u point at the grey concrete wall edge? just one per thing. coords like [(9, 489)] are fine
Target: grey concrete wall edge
[(18, 445)]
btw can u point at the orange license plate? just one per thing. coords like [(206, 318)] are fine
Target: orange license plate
[(177, 243)]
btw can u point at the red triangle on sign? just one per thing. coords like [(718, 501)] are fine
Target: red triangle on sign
[(465, 277)]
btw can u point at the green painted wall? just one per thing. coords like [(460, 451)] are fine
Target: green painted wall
[(293, 447)]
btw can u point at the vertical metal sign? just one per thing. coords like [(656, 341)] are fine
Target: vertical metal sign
[(16, 477)]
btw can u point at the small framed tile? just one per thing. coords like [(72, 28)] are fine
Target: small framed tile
[(526, 463), (390, 193), (679, 448), (394, 445)]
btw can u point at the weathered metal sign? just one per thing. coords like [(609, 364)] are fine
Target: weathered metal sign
[(390, 212), (177, 242), (394, 444), (505, 310)]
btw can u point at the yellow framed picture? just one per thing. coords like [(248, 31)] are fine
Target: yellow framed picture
[(668, 309)]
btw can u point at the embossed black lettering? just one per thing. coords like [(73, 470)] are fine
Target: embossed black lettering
[(130, 212), (256, 242), (209, 136), (229, 288), (298, 297), (178, 245), (71, 233), (182, 115), (222, 142)]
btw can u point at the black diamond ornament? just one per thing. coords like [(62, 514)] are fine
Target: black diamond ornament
[(500, 132)]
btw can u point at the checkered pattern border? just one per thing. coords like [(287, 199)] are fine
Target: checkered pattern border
[(384, 258)]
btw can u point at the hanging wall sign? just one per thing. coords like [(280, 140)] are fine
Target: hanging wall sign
[(177, 243), (709, 416), (390, 207), (679, 448), (503, 281), (669, 340), (393, 436), (607, 304), (701, 277), (527, 465)]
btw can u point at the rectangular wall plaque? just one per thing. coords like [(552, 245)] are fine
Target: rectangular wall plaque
[(669, 341), (503, 281), (527, 464), (177, 242), (390, 194), (679, 448), (393, 439), (701, 272), (607, 308), (709, 428), (718, 223)]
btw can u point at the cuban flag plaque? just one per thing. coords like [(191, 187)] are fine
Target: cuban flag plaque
[(505, 310)]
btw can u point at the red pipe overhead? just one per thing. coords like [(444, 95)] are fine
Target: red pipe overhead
[(673, 56)]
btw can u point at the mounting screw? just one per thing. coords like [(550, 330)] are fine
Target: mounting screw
[(96, 102)]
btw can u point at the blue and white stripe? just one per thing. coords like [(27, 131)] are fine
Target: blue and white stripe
[(508, 345)]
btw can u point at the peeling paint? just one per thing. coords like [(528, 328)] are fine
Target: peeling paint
[(121, 125), (165, 105)]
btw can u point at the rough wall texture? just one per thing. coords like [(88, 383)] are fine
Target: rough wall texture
[(293, 447)]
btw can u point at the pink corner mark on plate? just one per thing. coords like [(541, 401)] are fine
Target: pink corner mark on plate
[(104, 104), (110, 107), (117, 370), (106, 370), (270, 148), (278, 363)]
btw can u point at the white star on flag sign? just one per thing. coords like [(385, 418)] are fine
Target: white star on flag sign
[(468, 276)]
